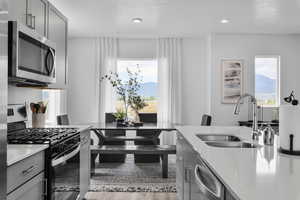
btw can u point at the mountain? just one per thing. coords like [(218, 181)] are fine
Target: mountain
[(264, 84), (148, 89)]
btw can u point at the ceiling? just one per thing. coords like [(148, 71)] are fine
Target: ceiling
[(179, 17)]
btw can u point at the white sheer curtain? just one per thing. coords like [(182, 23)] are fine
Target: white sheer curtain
[(107, 50), (169, 52)]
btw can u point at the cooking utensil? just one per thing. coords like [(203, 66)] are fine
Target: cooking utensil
[(39, 107), (32, 107)]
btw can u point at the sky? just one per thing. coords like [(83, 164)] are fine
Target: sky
[(148, 69), (266, 67)]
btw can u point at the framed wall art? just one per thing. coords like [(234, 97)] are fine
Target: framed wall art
[(232, 80)]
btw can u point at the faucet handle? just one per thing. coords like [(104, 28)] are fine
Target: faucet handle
[(269, 134)]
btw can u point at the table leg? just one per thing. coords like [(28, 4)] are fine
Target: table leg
[(93, 164), (165, 165)]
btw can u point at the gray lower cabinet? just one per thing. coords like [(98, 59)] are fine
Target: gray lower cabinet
[(32, 190), (229, 195), (85, 164), (58, 33), (185, 169), (194, 179), (179, 167), (26, 180)]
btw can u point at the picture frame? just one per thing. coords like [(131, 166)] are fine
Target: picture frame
[(232, 80)]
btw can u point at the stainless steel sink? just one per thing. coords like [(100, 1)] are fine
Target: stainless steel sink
[(213, 137), (232, 144)]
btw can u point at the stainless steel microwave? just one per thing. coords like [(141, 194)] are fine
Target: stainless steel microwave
[(31, 57)]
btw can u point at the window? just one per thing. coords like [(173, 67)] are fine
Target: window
[(267, 72), (53, 100), (148, 89)]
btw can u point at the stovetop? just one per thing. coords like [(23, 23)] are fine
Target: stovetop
[(41, 135)]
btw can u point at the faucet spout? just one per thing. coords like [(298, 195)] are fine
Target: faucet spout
[(255, 131)]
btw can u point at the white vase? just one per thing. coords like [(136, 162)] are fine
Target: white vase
[(38, 120), (136, 117)]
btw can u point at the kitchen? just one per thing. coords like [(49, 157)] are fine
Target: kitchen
[(54, 64)]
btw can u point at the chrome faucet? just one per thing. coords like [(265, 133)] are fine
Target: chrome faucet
[(255, 130)]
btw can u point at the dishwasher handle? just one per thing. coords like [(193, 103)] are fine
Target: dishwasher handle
[(208, 184)]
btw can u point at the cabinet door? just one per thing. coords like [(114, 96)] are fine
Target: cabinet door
[(179, 167), (31, 190), (58, 33), (38, 11), (188, 158), (229, 195), (85, 167), (17, 10)]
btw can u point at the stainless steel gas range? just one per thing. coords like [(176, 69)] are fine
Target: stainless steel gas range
[(62, 157)]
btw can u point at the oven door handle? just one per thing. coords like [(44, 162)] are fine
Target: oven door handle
[(66, 157)]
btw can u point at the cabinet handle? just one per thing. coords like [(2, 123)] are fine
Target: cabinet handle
[(29, 170), (46, 187), (33, 22), (84, 140), (29, 20)]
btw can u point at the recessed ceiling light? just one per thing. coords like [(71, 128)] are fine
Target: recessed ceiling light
[(224, 21), (137, 20)]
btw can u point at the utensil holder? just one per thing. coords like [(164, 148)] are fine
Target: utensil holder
[(38, 120)]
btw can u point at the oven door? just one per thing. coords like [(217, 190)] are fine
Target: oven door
[(31, 56), (65, 176)]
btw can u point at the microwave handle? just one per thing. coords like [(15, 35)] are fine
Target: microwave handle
[(50, 53)]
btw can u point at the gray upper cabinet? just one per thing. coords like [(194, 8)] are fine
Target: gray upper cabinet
[(32, 13), (58, 33), (17, 10), (45, 19), (37, 15)]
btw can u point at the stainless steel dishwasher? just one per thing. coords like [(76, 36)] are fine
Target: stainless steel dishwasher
[(207, 185)]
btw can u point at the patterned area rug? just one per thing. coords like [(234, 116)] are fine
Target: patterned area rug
[(126, 177), (133, 177)]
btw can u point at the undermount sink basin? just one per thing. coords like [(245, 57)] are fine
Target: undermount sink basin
[(233, 144), (213, 137)]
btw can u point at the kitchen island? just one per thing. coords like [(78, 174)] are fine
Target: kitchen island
[(248, 173)]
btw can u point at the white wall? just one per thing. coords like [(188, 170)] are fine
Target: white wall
[(82, 91), (247, 47), (200, 74), (195, 82), (83, 96), (137, 48)]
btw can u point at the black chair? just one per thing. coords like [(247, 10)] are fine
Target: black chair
[(109, 118), (148, 117), (206, 120), (63, 120), (146, 158)]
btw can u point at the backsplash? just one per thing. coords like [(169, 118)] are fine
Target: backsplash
[(19, 95)]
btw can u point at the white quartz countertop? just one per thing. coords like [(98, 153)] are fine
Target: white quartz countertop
[(18, 152), (252, 174)]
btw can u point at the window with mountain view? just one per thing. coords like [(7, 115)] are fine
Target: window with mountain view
[(148, 90), (267, 80)]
